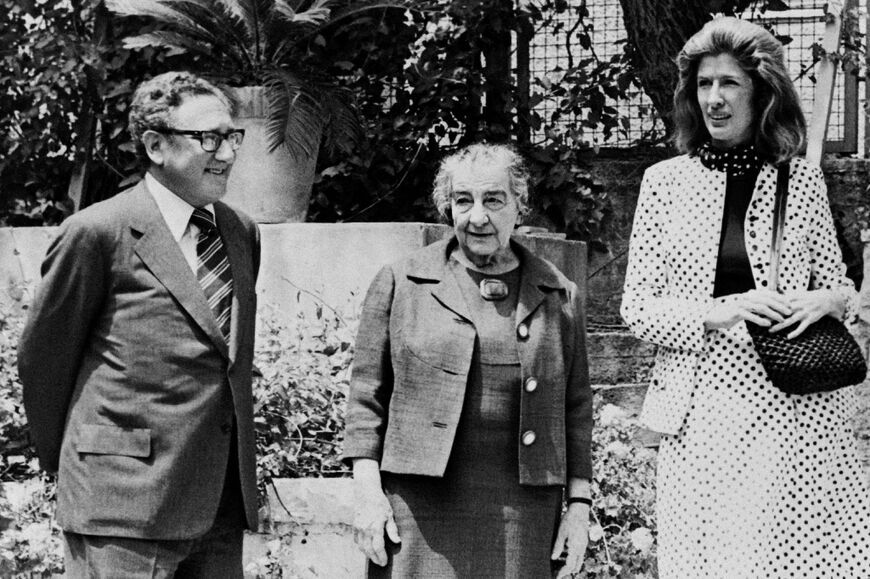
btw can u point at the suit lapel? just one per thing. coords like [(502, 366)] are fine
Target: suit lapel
[(759, 224), (707, 210), (161, 255), (238, 252)]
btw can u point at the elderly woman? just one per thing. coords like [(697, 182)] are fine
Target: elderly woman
[(752, 482), (470, 407)]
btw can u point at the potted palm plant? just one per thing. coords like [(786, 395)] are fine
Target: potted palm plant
[(274, 54)]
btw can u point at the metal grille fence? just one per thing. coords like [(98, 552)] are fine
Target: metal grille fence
[(804, 23)]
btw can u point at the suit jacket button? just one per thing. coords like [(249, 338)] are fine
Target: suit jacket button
[(523, 331), (226, 428), (531, 384), (529, 437)]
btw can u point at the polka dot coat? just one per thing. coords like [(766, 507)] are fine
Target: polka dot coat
[(751, 482)]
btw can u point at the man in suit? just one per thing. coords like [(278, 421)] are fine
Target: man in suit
[(137, 355)]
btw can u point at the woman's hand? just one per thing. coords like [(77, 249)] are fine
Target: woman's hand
[(573, 536), (762, 307), (809, 306), (373, 517)]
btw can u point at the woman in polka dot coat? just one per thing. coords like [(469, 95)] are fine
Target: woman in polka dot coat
[(752, 482)]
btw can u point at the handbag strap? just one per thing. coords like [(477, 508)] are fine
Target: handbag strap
[(778, 223)]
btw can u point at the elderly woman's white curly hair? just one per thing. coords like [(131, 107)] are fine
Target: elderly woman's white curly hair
[(482, 154)]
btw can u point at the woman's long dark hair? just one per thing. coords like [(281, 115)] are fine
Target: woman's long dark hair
[(780, 126)]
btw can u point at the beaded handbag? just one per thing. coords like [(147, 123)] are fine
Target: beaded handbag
[(825, 356)]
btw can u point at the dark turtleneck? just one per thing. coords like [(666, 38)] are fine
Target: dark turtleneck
[(742, 165)]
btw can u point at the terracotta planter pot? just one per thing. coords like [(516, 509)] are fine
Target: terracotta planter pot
[(270, 187)]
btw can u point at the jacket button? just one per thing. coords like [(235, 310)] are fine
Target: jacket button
[(226, 428), (529, 437), (523, 331), (531, 384)]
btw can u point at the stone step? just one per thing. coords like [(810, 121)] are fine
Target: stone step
[(617, 357)]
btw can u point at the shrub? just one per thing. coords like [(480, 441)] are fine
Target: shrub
[(622, 535), (300, 397), (30, 542), (29, 538), (17, 459)]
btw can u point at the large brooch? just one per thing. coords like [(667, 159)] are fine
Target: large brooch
[(493, 289)]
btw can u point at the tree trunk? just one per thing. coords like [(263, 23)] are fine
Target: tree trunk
[(657, 30), (79, 187), (497, 72), (525, 32)]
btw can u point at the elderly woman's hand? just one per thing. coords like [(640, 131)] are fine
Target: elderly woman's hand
[(373, 516), (762, 307), (573, 536), (372, 519), (809, 306)]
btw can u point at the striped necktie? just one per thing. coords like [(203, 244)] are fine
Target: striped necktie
[(213, 269)]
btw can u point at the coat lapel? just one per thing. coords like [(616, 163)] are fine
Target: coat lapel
[(707, 211), (531, 297), (450, 295), (432, 265), (536, 276), (759, 224), (238, 252), (162, 256)]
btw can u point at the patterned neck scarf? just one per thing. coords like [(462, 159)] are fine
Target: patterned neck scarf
[(737, 161)]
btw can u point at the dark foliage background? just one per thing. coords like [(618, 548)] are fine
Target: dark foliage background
[(424, 81)]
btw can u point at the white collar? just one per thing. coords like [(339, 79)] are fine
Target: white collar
[(175, 210)]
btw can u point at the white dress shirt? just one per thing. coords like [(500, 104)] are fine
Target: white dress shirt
[(176, 212)]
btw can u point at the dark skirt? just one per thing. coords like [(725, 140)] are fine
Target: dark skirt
[(476, 521)]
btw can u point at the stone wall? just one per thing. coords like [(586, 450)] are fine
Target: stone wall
[(301, 263)]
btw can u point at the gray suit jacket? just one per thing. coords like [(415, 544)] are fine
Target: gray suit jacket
[(130, 390), (413, 356)]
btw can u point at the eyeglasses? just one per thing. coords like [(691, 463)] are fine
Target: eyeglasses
[(210, 140)]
